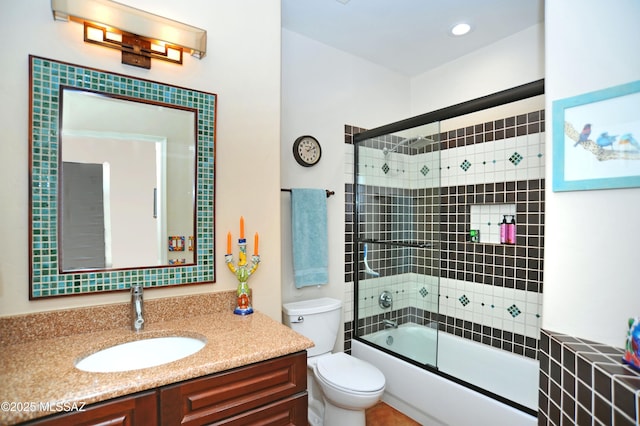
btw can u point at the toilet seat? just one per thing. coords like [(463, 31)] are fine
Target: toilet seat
[(349, 374)]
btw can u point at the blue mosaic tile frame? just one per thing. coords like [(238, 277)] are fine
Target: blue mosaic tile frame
[(45, 280)]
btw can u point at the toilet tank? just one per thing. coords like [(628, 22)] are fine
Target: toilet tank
[(316, 319)]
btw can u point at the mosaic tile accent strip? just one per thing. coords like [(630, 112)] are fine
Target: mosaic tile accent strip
[(47, 76), (489, 305), (585, 383)]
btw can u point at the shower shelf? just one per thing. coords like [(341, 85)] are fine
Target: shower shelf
[(415, 244)]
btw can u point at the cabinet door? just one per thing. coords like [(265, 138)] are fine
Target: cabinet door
[(214, 398), (134, 410)]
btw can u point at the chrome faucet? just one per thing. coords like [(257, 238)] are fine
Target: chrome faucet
[(390, 323), (137, 308)]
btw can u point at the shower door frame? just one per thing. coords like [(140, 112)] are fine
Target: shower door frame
[(507, 96)]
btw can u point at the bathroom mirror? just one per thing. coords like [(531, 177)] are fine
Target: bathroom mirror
[(121, 181), (127, 176)]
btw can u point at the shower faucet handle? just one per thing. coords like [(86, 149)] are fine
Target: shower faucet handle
[(385, 300)]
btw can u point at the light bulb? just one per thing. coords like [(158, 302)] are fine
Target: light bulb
[(460, 29)]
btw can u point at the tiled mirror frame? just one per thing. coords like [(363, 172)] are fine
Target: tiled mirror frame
[(45, 280)]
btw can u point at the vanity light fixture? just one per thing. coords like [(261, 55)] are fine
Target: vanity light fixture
[(138, 34)]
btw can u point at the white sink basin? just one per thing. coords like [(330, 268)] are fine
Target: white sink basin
[(140, 354)]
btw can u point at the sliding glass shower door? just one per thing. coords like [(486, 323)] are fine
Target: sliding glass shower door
[(397, 228)]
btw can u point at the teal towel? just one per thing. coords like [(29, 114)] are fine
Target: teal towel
[(309, 234)]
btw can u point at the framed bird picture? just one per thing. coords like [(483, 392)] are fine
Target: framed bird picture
[(596, 139)]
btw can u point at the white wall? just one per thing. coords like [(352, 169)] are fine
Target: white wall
[(242, 66), (510, 62), (591, 284), (322, 90)]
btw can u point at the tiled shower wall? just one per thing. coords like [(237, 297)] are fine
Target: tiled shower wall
[(490, 293)]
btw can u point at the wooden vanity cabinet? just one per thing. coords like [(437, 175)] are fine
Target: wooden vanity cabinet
[(269, 392), (133, 410), (272, 392)]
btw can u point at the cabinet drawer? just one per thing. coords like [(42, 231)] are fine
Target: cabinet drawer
[(290, 411), (134, 410), (224, 395)]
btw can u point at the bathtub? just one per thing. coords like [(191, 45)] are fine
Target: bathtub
[(436, 399)]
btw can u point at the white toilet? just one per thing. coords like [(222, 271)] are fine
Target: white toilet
[(340, 386)]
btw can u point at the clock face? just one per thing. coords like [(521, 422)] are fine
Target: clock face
[(307, 151)]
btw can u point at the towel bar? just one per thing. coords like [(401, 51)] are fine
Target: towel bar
[(329, 193)]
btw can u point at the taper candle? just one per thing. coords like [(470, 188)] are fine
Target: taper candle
[(229, 243), (241, 227), (255, 245)]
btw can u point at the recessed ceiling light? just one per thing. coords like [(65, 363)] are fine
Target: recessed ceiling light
[(460, 29)]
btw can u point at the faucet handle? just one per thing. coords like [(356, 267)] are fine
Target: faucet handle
[(385, 300)]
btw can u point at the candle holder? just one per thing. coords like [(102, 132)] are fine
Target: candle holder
[(243, 272)]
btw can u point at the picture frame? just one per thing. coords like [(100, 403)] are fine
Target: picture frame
[(596, 139)]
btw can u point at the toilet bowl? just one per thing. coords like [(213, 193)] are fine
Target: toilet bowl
[(340, 387), (349, 386)]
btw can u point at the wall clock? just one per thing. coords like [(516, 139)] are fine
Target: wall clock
[(307, 151)]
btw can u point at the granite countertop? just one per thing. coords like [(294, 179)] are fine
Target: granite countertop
[(43, 371)]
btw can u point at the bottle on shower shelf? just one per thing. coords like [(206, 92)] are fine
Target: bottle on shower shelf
[(503, 230), (511, 231)]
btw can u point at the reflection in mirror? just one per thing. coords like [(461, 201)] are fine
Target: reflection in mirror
[(127, 177), (94, 228)]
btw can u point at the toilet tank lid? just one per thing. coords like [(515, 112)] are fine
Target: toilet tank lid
[(312, 306)]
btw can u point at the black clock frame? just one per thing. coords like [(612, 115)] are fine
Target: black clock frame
[(296, 154)]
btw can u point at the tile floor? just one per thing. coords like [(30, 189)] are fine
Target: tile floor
[(382, 414)]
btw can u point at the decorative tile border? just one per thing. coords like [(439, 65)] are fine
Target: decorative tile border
[(46, 77), (507, 319)]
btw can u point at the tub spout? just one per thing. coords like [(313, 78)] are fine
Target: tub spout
[(390, 323)]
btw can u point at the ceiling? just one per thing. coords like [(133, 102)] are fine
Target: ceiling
[(409, 36)]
